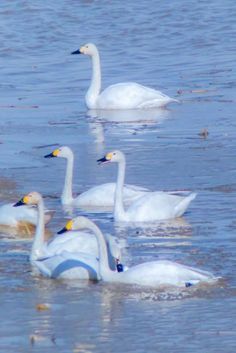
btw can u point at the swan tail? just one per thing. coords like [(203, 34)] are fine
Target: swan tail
[(183, 205)]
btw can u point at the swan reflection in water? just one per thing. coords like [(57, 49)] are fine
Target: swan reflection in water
[(129, 121)]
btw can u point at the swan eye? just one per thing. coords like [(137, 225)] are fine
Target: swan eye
[(114, 154)]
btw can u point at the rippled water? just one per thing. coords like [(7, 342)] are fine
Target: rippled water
[(186, 49)]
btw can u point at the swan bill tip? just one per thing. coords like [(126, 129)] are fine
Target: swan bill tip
[(76, 52), (19, 203), (103, 160), (63, 230), (55, 153), (67, 227)]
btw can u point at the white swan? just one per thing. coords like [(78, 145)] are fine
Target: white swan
[(154, 273), (75, 256), (150, 207), (98, 196), (126, 95), (23, 220)]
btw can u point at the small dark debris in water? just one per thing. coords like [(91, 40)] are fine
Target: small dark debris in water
[(53, 339), (204, 133), (137, 232), (32, 340), (20, 107), (45, 146), (35, 338), (42, 307), (188, 284)]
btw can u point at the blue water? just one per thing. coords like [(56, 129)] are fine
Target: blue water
[(187, 50)]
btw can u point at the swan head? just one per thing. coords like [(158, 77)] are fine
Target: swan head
[(76, 223), (112, 157), (63, 151), (87, 49), (32, 198)]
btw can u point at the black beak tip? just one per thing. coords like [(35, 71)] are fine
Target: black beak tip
[(76, 52), (102, 160), (63, 230), (19, 203), (50, 155)]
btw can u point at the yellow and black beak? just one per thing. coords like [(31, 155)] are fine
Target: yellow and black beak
[(102, 160), (105, 159), (50, 155), (63, 230), (53, 154), (67, 227), (21, 202)]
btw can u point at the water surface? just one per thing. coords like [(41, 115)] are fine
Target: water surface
[(184, 48)]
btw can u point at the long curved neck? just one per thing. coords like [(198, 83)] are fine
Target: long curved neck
[(95, 86), (66, 196), (106, 273), (119, 211), (38, 242)]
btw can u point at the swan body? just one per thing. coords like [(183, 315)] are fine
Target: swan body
[(18, 218), (64, 256), (67, 265), (98, 196), (152, 206), (126, 95), (153, 274)]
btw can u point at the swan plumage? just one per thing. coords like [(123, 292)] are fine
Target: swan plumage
[(153, 273), (22, 219), (152, 206), (68, 253), (125, 95), (98, 196)]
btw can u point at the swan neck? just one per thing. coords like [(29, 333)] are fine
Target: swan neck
[(38, 242), (95, 86), (104, 269), (119, 211), (66, 196)]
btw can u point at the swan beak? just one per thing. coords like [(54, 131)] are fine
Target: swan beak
[(22, 202), (53, 154), (76, 52), (63, 230), (103, 160), (67, 227), (19, 203)]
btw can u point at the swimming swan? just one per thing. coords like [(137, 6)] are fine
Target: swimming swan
[(125, 95), (98, 196), (154, 273), (72, 256), (150, 207), (23, 220)]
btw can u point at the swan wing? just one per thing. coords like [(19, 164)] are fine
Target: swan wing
[(69, 266), (74, 242), (10, 215), (84, 242), (103, 195), (165, 272), (157, 206), (131, 95)]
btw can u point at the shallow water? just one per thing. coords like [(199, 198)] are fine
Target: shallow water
[(184, 48)]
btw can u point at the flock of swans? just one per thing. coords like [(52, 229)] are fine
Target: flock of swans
[(80, 250)]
